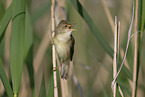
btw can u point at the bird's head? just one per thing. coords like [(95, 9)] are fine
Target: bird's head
[(64, 27)]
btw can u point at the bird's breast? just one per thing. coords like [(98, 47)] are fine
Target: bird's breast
[(62, 46)]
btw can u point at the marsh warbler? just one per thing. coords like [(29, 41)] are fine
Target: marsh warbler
[(64, 45)]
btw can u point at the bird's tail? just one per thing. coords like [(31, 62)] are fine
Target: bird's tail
[(65, 69)]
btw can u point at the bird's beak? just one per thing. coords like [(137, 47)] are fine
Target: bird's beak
[(71, 28)]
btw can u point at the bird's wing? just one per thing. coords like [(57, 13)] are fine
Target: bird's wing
[(72, 47)]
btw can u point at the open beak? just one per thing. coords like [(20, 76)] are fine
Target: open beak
[(71, 28)]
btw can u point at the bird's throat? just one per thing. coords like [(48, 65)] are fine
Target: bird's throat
[(64, 37)]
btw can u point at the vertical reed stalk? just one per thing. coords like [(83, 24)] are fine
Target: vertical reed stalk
[(115, 57), (139, 25), (118, 34), (53, 48), (118, 41), (135, 52)]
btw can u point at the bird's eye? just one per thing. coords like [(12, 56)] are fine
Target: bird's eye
[(65, 25)]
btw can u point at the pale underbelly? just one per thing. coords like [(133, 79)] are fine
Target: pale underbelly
[(63, 51)]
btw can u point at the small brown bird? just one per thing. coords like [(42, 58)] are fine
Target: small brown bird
[(64, 45)]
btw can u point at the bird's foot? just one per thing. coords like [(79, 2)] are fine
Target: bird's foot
[(55, 68)]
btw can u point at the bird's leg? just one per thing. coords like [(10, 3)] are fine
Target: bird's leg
[(56, 68), (66, 71), (62, 70)]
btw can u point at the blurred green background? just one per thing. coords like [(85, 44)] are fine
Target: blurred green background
[(92, 64)]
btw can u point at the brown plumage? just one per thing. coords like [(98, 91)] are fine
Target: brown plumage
[(64, 45)]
